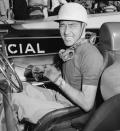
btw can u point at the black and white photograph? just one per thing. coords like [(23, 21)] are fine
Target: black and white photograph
[(59, 65)]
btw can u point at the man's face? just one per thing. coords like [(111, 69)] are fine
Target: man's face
[(70, 31)]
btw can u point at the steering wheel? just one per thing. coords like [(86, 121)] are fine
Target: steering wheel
[(10, 74)]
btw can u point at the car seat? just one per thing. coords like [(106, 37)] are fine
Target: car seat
[(109, 39), (107, 42), (106, 117)]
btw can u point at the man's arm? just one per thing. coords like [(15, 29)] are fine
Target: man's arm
[(84, 99)]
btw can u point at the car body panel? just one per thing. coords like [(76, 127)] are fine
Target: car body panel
[(94, 21)]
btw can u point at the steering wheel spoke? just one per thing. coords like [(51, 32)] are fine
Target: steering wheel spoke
[(10, 74)]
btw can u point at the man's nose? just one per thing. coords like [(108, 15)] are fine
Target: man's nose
[(67, 29)]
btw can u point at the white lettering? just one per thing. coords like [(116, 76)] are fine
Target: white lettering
[(10, 50), (21, 51), (38, 49), (29, 48), (25, 49)]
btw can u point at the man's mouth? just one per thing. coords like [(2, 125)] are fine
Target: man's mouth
[(68, 38)]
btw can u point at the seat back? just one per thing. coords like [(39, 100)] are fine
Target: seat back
[(109, 40), (110, 35), (104, 45), (106, 117)]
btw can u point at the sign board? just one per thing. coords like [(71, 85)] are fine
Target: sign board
[(25, 46)]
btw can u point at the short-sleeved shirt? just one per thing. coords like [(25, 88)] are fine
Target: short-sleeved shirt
[(110, 81), (85, 67)]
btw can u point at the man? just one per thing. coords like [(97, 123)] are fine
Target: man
[(80, 74), (82, 68)]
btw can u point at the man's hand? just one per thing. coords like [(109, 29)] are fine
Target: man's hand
[(37, 72), (52, 73)]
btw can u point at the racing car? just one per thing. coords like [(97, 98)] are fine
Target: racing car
[(32, 44)]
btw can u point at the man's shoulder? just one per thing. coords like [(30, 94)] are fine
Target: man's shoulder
[(89, 54), (87, 48)]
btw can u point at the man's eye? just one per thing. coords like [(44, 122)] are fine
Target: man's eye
[(73, 25), (61, 26)]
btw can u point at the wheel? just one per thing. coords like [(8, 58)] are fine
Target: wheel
[(10, 74)]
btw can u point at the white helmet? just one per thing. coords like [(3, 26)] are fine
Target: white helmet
[(72, 11)]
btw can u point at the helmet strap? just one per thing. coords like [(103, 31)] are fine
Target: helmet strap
[(82, 30), (80, 38)]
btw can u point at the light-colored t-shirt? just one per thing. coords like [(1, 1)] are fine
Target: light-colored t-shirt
[(110, 81), (84, 68)]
